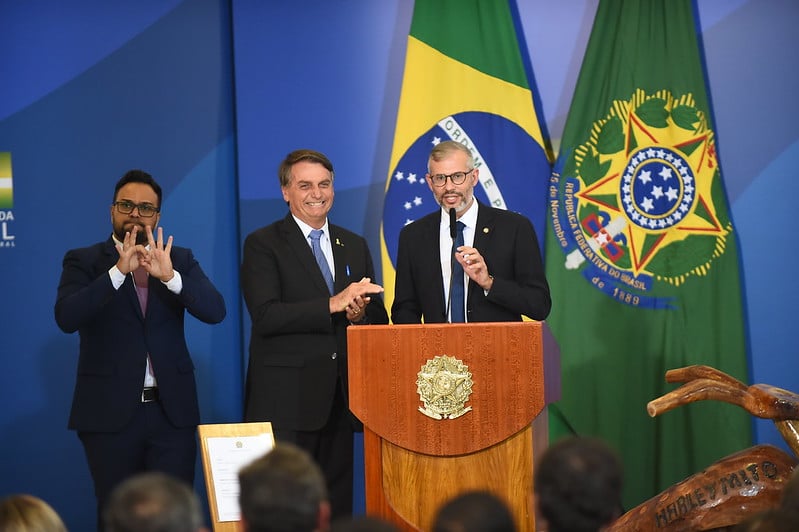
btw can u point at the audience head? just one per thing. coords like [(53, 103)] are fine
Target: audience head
[(476, 511), (363, 523), (577, 485), (790, 493), (26, 513), (153, 502), (283, 491), (773, 520)]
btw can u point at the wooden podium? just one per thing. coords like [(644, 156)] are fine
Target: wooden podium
[(415, 463)]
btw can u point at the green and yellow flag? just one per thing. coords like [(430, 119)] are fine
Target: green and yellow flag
[(641, 253), (464, 80)]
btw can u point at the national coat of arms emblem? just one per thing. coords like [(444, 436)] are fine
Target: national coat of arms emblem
[(444, 385)]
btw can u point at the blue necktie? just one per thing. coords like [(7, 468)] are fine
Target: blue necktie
[(457, 300), (315, 235)]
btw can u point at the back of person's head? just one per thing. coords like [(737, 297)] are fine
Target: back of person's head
[(790, 493), (153, 502), (26, 513), (475, 511), (283, 491), (362, 523), (578, 485), (773, 520)]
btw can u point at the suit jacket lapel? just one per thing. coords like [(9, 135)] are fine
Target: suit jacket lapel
[(483, 232), (340, 258), (431, 251)]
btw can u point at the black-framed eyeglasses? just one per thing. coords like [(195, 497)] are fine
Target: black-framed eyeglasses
[(145, 209), (457, 178)]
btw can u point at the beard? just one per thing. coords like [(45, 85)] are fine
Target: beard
[(464, 203), (127, 227)]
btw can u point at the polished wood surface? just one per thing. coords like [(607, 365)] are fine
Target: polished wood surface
[(507, 368), (734, 488), (414, 463), (729, 491), (408, 488), (704, 383)]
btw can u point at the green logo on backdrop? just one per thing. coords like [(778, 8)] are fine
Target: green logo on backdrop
[(6, 201)]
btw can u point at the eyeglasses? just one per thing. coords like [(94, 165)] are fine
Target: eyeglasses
[(457, 178), (145, 209)]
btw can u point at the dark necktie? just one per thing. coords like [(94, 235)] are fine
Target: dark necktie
[(315, 235), (457, 301), (140, 280)]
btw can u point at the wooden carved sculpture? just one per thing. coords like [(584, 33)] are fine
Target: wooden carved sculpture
[(735, 487)]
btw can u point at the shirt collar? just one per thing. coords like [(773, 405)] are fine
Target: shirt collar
[(306, 229), (469, 218)]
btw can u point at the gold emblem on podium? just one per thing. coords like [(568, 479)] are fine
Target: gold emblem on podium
[(444, 385)]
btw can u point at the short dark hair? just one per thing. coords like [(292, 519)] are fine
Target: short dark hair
[(284, 170), (363, 523), (282, 491), (577, 485), (475, 511), (153, 502), (778, 519), (138, 176)]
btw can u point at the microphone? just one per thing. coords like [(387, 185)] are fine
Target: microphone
[(453, 228)]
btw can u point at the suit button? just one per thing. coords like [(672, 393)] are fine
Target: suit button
[(333, 356)]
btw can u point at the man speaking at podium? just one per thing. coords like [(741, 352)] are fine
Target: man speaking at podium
[(489, 260)]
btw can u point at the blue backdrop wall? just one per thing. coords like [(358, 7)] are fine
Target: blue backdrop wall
[(209, 95)]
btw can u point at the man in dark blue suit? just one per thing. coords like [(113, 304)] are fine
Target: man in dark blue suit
[(305, 281), (135, 401), (497, 265)]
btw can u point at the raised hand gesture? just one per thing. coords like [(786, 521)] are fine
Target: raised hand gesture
[(158, 261), (130, 252)]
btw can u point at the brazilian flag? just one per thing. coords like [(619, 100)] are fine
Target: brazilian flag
[(641, 253), (464, 80)]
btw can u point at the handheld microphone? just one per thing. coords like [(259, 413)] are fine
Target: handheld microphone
[(453, 228)]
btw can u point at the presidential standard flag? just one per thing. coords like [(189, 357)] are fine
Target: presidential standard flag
[(641, 254), (464, 80)]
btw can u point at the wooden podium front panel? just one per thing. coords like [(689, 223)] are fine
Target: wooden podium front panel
[(506, 365), (408, 488)]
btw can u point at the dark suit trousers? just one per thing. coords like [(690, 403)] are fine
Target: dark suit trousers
[(148, 443), (332, 448)]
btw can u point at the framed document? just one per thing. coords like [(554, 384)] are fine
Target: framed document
[(225, 449)]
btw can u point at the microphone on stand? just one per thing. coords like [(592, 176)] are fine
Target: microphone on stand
[(453, 228)]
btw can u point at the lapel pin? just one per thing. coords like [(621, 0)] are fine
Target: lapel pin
[(338, 242), (485, 230)]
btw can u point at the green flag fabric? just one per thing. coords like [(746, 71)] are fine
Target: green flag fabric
[(641, 253), (464, 80)]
